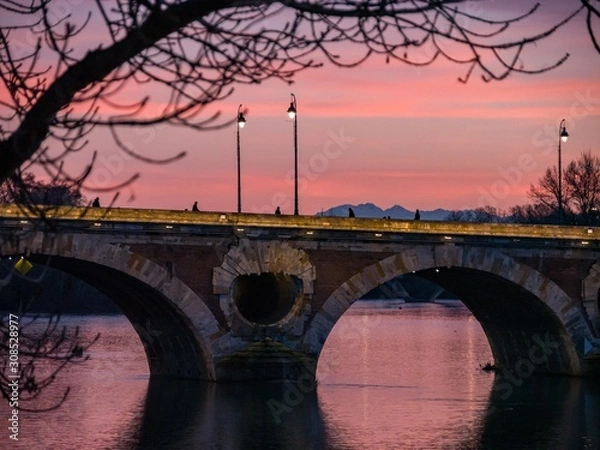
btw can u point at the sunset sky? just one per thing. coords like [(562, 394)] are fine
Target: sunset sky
[(382, 133)]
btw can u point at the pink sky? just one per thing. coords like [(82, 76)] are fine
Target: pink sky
[(382, 133)]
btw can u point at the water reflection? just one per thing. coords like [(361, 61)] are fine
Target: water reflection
[(543, 412), (400, 379), (190, 415)]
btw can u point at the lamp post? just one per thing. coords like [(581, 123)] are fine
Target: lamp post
[(562, 137), (241, 121), (293, 114)]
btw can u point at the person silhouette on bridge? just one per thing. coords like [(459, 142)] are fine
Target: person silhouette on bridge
[(96, 202), (278, 211), (195, 207), (417, 215), (351, 212)]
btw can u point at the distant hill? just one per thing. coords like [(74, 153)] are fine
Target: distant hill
[(371, 210)]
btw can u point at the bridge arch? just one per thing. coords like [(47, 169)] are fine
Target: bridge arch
[(591, 296), (527, 318), (172, 322)]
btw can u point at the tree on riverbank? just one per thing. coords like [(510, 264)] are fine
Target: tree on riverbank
[(483, 214), (580, 194), (26, 190)]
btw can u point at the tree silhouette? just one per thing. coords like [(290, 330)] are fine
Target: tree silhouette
[(536, 213), (546, 191), (45, 348), (66, 72), (26, 190), (484, 214), (580, 193), (582, 177)]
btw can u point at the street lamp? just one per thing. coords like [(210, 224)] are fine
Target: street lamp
[(293, 113), (241, 121), (562, 137)]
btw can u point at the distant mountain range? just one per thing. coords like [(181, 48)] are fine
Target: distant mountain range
[(371, 210)]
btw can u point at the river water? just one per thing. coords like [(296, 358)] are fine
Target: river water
[(391, 376)]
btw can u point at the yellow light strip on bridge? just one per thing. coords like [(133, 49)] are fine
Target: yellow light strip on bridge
[(241, 221)]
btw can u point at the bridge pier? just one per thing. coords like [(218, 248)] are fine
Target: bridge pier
[(265, 292), (266, 360)]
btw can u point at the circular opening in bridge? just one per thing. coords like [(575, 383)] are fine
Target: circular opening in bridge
[(267, 297)]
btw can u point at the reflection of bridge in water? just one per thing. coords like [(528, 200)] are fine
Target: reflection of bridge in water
[(539, 409), (223, 296)]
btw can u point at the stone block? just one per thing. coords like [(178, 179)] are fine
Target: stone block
[(447, 256), (221, 281)]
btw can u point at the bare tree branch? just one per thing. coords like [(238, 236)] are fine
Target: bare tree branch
[(34, 350), (56, 91), (593, 12), (580, 191)]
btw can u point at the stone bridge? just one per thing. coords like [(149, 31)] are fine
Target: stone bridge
[(237, 297)]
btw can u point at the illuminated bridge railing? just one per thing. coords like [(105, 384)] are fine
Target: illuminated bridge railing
[(270, 226)]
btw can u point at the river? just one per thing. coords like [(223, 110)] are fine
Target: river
[(392, 375)]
